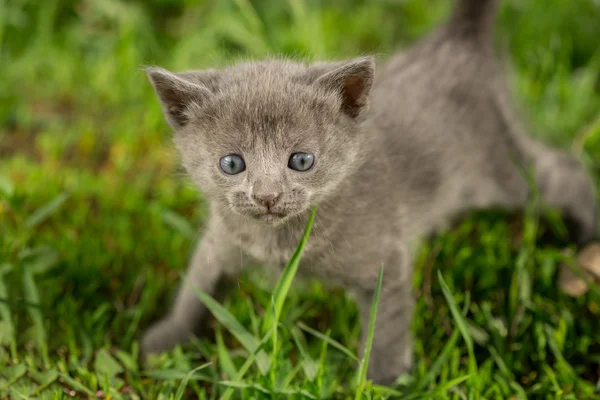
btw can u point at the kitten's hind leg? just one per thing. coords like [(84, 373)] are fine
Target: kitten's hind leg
[(565, 185), (207, 273)]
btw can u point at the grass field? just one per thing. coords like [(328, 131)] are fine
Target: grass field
[(97, 221)]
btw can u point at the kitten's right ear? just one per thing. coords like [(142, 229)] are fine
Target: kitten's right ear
[(177, 95)]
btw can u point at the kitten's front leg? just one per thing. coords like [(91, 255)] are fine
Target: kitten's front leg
[(206, 272), (392, 353)]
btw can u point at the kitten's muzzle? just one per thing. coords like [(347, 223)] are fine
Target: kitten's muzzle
[(268, 201)]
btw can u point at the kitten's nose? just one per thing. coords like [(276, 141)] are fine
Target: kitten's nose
[(267, 199)]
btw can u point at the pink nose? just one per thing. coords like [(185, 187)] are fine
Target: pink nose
[(267, 200)]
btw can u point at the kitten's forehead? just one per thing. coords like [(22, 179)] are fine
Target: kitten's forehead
[(271, 100)]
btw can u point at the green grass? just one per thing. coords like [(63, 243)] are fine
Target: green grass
[(97, 223)]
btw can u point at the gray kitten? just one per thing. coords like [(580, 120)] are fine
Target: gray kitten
[(387, 157)]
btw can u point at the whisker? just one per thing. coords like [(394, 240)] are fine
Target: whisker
[(319, 225), (336, 231), (201, 228), (240, 220)]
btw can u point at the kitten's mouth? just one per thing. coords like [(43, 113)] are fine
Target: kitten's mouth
[(270, 217)]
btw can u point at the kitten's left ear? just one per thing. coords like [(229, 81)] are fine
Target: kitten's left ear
[(352, 80)]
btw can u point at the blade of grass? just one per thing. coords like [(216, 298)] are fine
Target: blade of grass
[(448, 385), (274, 350), (226, 319), (308, 364), (322, 367), (17, 373), (45, 211), (171, 374), (106, 366), (225, 361), (519, 389), (442, 389), (7, 188), (76, 385), (364, 363), (290, 392), (32, 297), (231, 385), (329, 340), (249, 13), (45, 379), (440, 361), (178, 223), (436, 367), (285, 281), (244, 368), (287, 381), (16, 394), (386, 391), (560, 359), (5, 314), (184, 382), (461, 324)]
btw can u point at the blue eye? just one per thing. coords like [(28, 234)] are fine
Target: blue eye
[(301, 161), (232, 164)]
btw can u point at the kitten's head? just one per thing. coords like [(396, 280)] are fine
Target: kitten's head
[(268, 139)]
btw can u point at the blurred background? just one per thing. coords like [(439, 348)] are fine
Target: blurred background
[(97, 220)]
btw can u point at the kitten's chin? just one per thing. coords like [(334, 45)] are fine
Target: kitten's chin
[(271, 219), (277, 219)]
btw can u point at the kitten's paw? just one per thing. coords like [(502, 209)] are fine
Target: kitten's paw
[(582, 223), (388, 377), (566, 186), (163, 336), (384, 369)]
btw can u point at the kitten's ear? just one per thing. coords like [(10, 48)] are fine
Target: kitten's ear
[(352, 80), (177, 95), (209, 78)]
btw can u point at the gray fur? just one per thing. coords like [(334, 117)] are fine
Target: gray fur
[(430, 136)]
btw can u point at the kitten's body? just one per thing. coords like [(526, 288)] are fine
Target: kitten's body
[(435, 138)]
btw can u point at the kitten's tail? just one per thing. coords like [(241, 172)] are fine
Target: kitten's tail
[(473, 19)]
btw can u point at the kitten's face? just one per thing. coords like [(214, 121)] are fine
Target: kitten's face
[(267, 141), (256, 157)]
